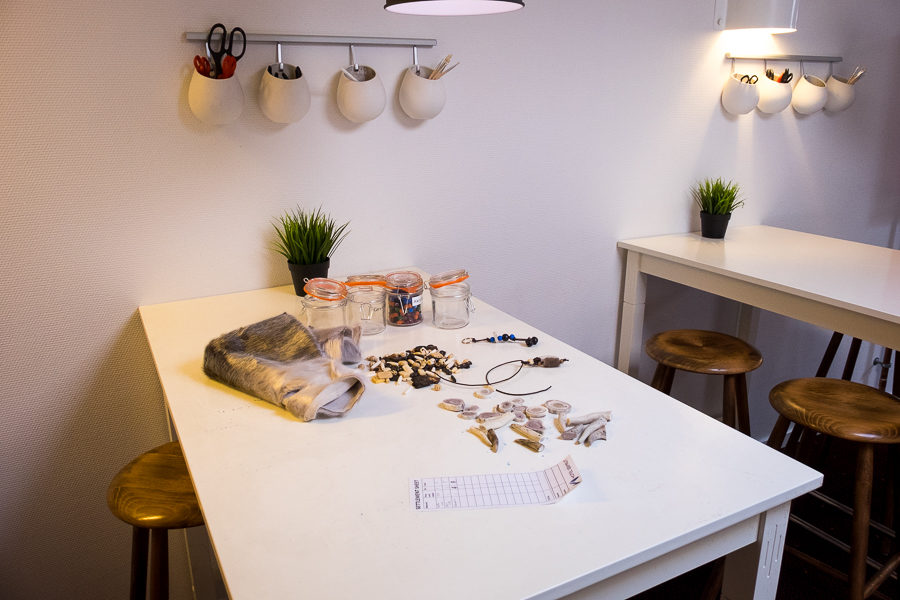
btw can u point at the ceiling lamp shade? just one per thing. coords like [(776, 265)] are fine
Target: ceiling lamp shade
[(769, 16), (452, 7)]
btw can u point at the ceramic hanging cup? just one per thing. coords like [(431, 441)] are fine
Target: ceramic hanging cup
[(739, 97), (360, 94), (840, 94), (809, 95), (420, 97), (283, 93), (215, 101), (774, 97)]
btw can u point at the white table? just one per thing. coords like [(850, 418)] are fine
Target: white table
[(321, 509), (843, 286)]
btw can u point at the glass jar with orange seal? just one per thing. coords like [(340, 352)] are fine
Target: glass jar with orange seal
[(451, 299), (324, 303), (404, 298), (365, 303)]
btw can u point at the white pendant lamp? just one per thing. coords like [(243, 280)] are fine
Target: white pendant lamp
[(768, 16), (452, 7)]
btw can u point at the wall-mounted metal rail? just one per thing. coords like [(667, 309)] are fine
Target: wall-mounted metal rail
[(335, 40), (786, 57)]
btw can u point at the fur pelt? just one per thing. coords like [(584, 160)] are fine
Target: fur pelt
[(283, 362)]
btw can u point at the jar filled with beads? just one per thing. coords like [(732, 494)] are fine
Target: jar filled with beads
[(365, 303), (324, 303), (451, 299), (404, 298)]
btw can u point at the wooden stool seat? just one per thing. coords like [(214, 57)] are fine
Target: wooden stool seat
[(154, 493), (839, 408), (707, 353), (853, 412)]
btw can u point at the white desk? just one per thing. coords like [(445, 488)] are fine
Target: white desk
[(321, 509), (836, 284)]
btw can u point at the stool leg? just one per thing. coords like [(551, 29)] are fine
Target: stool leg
[(140, 537), (159, 564), (743, 410), (862, 501), (729, 401), (663, 377), (776, 438)]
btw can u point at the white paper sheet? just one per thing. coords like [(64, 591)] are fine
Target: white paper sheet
[(496, 490)]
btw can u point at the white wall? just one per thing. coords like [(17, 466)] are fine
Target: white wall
[(568, 126)]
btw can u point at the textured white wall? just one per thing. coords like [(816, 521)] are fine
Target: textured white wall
[(568, 126)]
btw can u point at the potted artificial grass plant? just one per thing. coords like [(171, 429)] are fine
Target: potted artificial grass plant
[(307, 239), (716, 199)]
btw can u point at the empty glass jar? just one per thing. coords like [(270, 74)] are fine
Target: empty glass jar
[(451, 299), (365, 303), (404, 298), (324, 303)]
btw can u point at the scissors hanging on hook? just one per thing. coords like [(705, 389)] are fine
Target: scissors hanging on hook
[(224, 58), (749, 79)]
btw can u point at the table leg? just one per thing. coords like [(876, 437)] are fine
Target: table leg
[(631, 326), (752, 571)]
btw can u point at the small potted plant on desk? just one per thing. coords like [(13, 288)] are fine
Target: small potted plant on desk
[(308, 239), (716, 199)]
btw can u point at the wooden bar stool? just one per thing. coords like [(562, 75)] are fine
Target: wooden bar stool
[(707, 353), (154, 493), (856, 413)]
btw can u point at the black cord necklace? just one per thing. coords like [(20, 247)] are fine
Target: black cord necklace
[(547, 361)]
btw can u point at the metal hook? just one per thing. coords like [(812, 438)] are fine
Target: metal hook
[(830, 69), (802, 69), (278, 55), (416, 59), (732, 65), (353, 58)]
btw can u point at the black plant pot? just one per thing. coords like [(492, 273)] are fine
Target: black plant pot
[(713, 226), (300, 274)]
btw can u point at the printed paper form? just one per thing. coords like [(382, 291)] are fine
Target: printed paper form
[(496, 490)]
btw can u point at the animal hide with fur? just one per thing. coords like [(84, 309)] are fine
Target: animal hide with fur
[(283, 362)]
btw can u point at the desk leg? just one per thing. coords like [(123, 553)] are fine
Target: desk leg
[(631, 326), (752, 571)]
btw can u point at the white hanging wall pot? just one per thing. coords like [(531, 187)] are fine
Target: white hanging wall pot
[(360, 94), (739, 97), (774, 97), (420, 97), (452, 7), (215, 101), (840, 94), (809, 95), (283, 91)]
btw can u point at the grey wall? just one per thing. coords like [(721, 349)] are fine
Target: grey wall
[(568, 126)]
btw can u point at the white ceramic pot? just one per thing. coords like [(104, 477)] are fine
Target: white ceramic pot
[(809, 95), (774, 97), (284, 100), (420, 97), (840, 94), (361, 99), (215, 101), (738, 97)]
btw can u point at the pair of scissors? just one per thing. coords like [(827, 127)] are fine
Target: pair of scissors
[(201, 63), (749, 79), (225, 48), (786, 76)]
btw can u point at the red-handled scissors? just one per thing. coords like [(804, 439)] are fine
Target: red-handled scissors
[(201, 63)]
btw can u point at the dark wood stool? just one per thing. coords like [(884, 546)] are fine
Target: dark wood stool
[(856, 413), (154, 493), (707, 353)]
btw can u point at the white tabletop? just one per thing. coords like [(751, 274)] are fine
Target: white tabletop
[(860, 277), (321, 509)]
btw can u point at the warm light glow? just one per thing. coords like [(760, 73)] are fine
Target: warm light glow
[(452, 7), (748, 42)]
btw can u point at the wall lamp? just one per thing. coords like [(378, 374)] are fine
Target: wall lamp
[(767, 16), (452, 7)]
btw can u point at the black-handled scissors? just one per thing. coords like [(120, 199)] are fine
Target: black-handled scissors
[(749, 79), (226, 47)]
